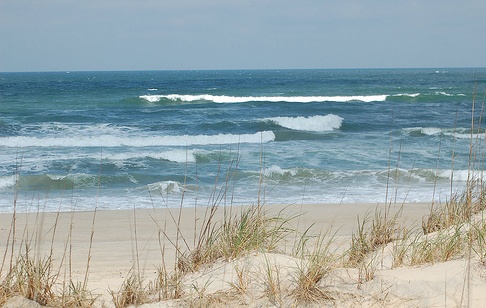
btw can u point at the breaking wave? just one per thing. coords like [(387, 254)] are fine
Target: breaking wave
[(315, 123), (245, 99), (139, 141), (459, 133)]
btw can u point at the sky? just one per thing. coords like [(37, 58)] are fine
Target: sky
[(93, 35)]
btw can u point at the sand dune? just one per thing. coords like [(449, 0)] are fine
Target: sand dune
[(103, 247)]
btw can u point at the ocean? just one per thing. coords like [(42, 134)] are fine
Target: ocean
[(143, 139)]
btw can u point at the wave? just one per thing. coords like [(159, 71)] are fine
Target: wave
[(245, 99), (427, 97), (47, 182), (75, 129), (315, 123), (188, 98), (178, 156), (459, 133), (77, 181), (306, 175), (406, 94), (136, 141), (165, 187), (438, 93), (7, 181)]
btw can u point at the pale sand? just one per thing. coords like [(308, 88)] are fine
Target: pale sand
[(126, 239)]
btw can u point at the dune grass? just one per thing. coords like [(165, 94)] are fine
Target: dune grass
[(38, 278), (317, 259)]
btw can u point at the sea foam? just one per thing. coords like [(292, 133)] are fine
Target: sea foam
[(7, 181), (245, 99), (165, 186), (458, 133), (179, 156), (315, 123), (139, 141)]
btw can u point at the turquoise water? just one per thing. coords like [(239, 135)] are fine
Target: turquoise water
[(117, 140)]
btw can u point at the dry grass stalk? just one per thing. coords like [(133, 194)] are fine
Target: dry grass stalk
[(236, 235), (316, 263), (400, 248), (367, 270), (458, 210), (31, 277), (440, 246), (167, 286), (131, 292), (479, 244), (77, 296), (272, 284), (368, 238), (242, 279)]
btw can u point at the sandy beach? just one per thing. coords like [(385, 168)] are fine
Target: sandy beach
[(103, 246)]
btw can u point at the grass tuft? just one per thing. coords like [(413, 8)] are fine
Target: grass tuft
[(369, 236), (131, 292), (250, 230), (317, 261), (32, 278), (272, 284)]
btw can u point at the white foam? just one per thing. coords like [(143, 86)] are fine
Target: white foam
[(245, 99), (152, 98), (56, 177), (274, 169), (179, 156), (431, 131), (165, 186), (315, 123), (7, 181), (443, 93), (75, 129), (457, 175), (408, 94), (459, 133), (139, 141)]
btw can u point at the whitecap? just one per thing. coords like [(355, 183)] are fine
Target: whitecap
[(245, 99), (165, 186), (180, 156), (407, 94), (7, 181), (141, 141), (56, 177), (431, 131), (277, 170), (314, 123)]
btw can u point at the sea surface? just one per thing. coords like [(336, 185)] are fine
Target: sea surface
[(143, 139)]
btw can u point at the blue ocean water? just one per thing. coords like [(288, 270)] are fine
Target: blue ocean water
[(118, 140)]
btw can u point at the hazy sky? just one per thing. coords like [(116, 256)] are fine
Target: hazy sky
[(51, 35)]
